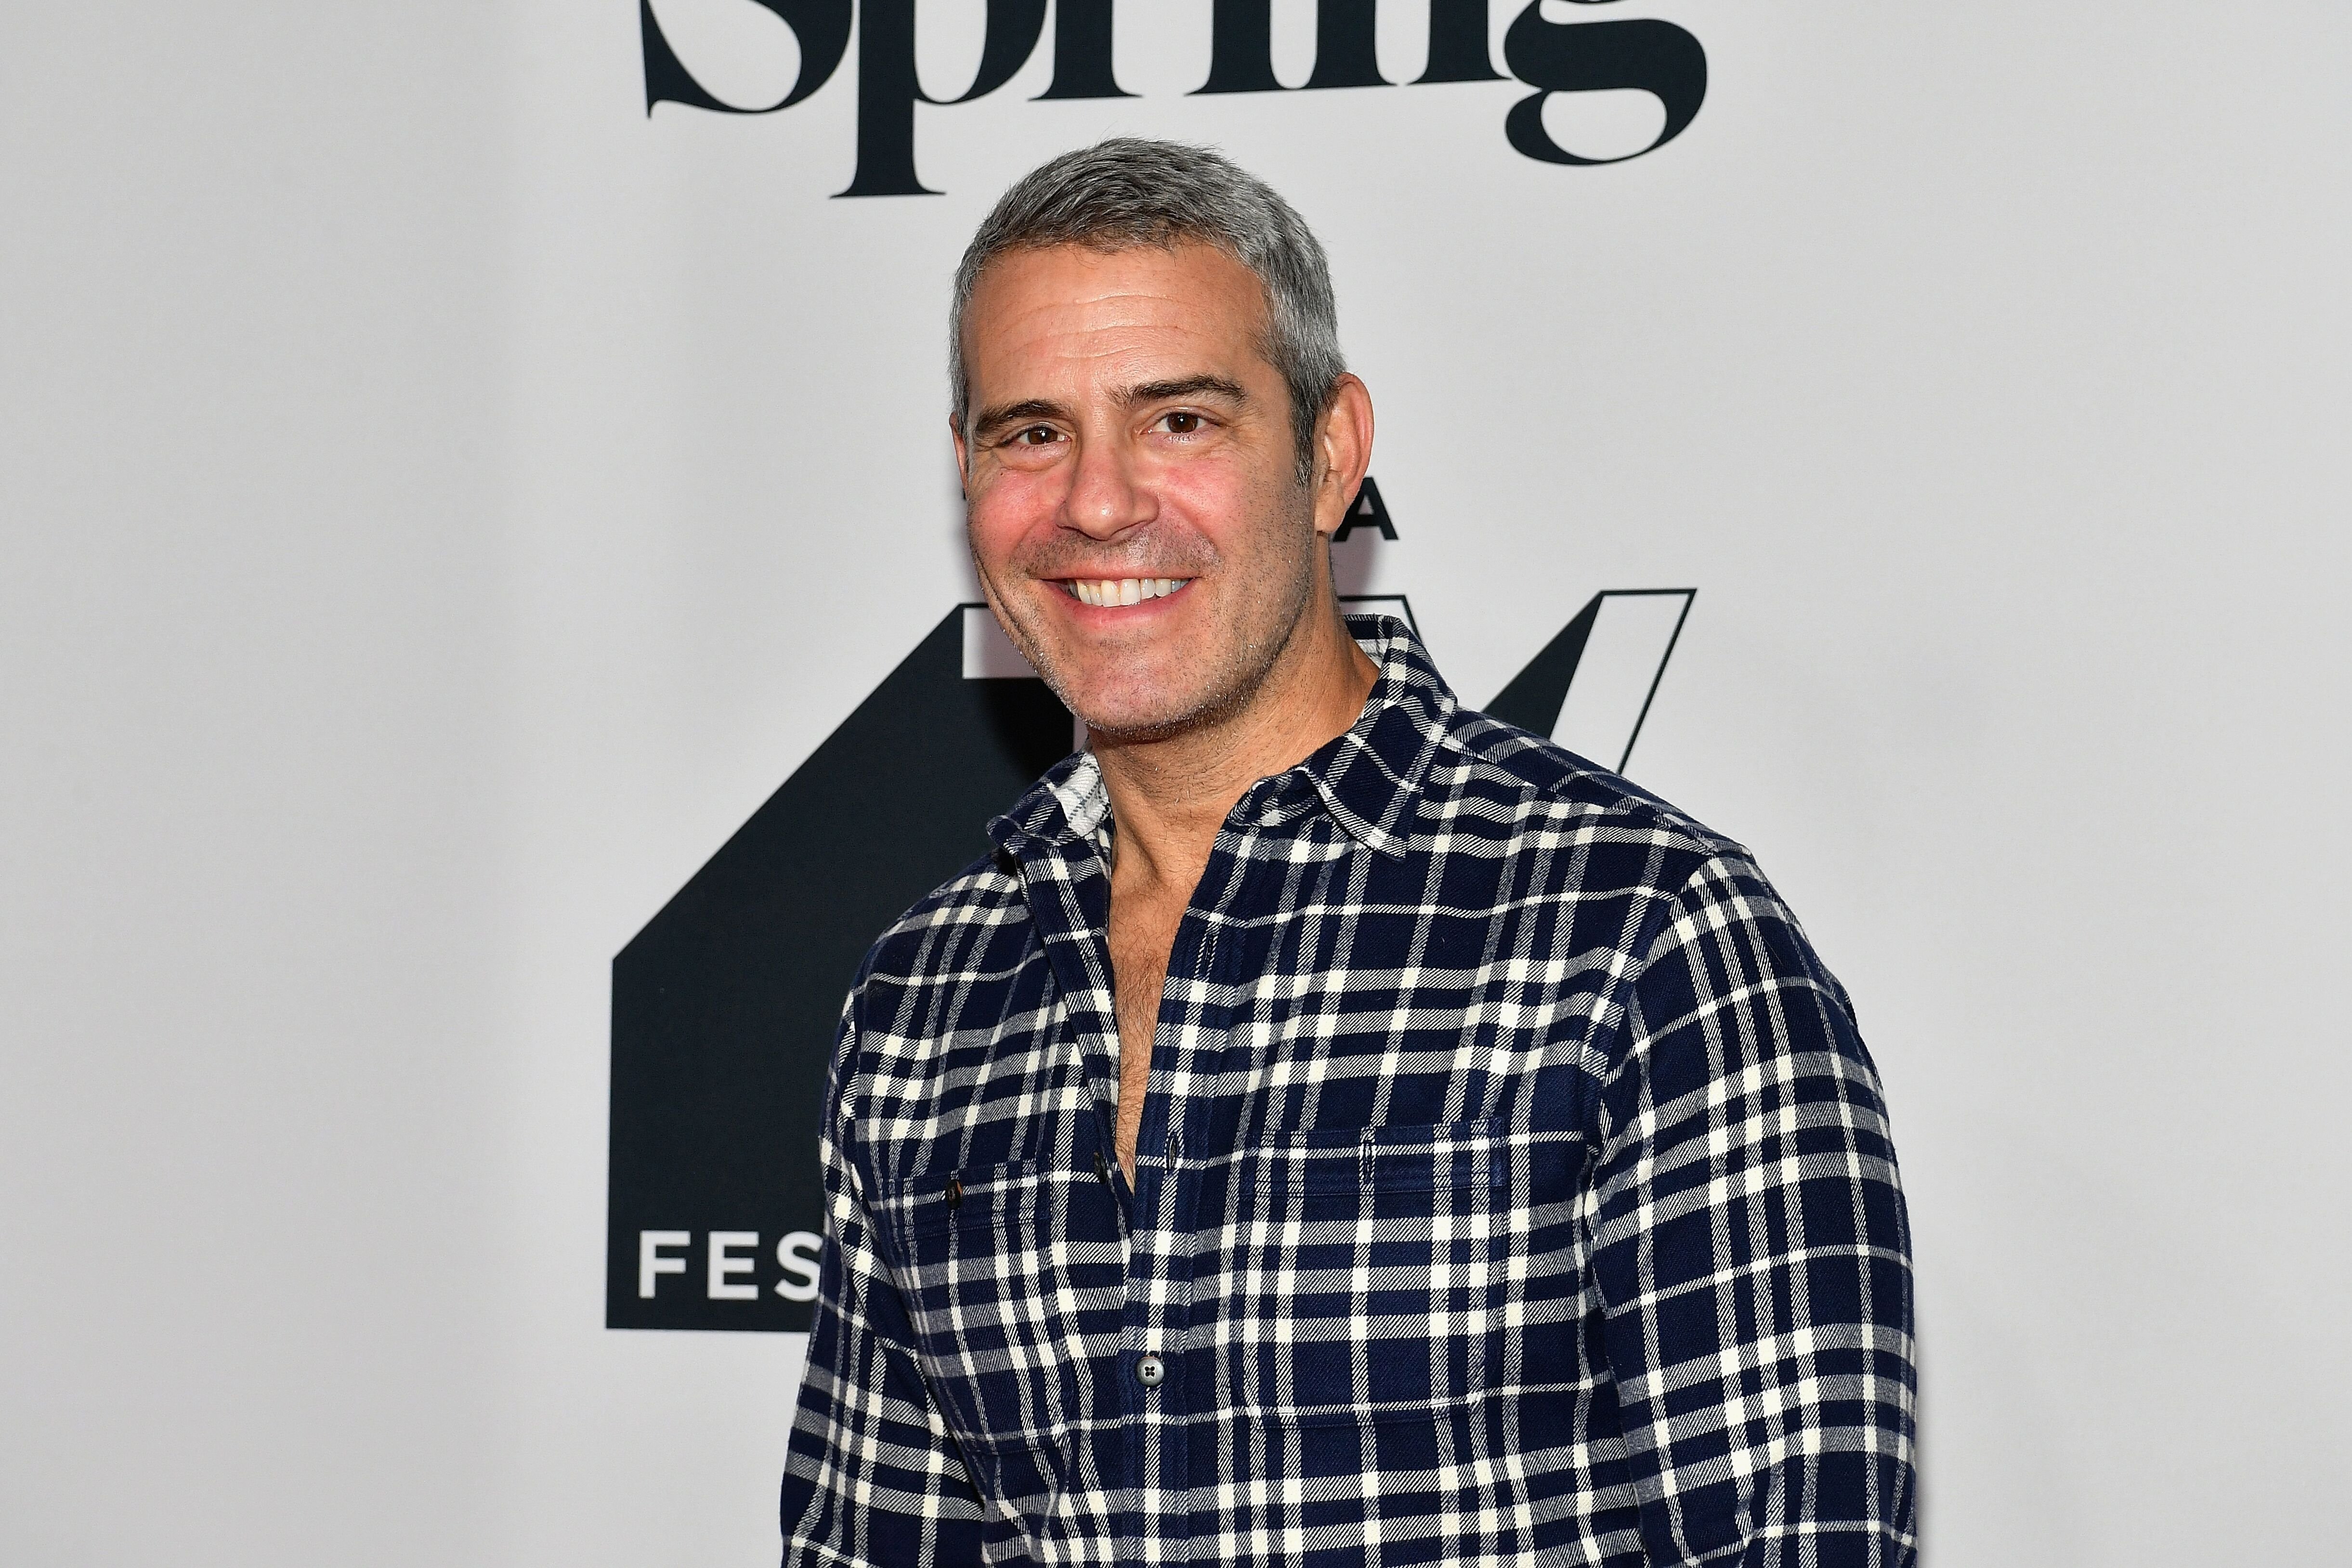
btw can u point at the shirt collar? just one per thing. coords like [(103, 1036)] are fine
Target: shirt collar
[(1366, 779)]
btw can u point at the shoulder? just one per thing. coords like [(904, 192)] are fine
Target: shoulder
[(978, 907), (1495, 780), (1700, 881), (958, 954), (1709, 926)]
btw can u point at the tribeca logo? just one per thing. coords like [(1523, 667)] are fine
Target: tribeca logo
[(727, 1005), (1653, 56)]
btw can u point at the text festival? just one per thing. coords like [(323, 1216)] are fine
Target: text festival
[(1653, 57)]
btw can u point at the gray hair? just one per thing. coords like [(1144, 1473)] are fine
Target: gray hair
[(1127, 192)]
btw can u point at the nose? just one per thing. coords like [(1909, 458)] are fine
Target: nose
[(1103, 500)]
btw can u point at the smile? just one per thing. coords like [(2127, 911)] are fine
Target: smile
[(1108, 591)]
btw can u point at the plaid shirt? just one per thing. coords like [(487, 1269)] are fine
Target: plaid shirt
[(1512, 1186)]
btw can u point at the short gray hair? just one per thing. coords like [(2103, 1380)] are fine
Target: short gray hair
[(1127, 192)]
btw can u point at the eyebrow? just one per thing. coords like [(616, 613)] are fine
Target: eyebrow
[(990, 420), (1184, 386)]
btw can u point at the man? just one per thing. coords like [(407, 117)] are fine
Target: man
[(1332, 1126)]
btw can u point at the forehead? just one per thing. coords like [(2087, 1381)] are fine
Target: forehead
[(1070, 302)]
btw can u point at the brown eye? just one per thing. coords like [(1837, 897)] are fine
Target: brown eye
[(1183, 424), (1036, 436)]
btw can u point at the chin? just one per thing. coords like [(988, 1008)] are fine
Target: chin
[(1129, 714), (1117, 703), (1130, 720)]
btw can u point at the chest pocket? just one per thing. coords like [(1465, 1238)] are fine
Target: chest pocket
[(983, 1269), (1366, 1273)]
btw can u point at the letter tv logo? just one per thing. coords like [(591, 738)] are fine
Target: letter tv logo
[(1549, 55), (725, 1006)]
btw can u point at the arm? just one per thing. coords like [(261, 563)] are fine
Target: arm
[(873, 1477), (1751, 1249)]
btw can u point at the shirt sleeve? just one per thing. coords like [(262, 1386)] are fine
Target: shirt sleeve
[(1751, 1249), (873, 1477)]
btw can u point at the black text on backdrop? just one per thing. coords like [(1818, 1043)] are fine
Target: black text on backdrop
[(1650, 55)]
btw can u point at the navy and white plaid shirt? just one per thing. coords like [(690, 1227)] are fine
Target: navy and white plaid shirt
[(1512, 1186)]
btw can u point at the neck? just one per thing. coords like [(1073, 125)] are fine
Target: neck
[(1169, 794)]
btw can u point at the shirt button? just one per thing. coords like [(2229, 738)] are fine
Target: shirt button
[(1151, 1371)]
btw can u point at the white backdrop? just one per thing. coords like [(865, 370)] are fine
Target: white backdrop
[(441, 503)]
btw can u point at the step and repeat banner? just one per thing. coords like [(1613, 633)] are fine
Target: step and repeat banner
[(724, 1007), (488, 642), (1727, 433)]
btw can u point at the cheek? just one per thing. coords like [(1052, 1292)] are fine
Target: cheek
[(1236, 504), (1003, 512)]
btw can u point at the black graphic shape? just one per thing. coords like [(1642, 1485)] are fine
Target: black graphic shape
[(1690, 597), (1533, 699), (724, 1007), (821, 27), (1536, 696), (1368, 511)]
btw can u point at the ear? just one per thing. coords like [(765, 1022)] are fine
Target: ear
[(964, 453), (1343, 451)]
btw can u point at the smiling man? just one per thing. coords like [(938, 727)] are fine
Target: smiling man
[(1332, 1126)]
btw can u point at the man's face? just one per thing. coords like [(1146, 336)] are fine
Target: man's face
[(1132, 489)]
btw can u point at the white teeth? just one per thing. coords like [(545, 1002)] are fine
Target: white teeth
[(1106, 592)]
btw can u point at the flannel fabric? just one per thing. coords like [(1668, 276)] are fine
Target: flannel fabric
[(1512, 1186)]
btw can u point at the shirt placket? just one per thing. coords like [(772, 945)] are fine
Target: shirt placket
[(1159, 1388), (1197, 1011)]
